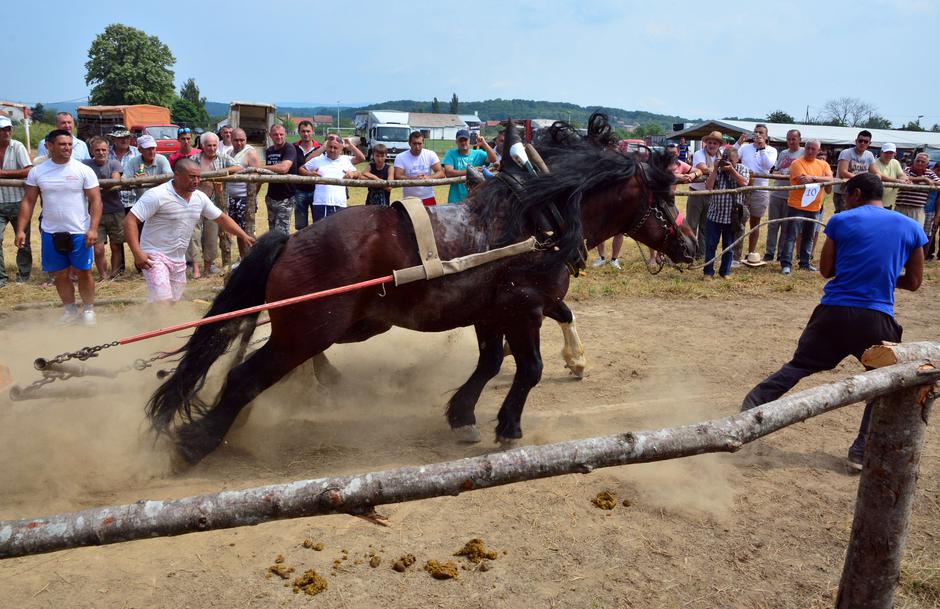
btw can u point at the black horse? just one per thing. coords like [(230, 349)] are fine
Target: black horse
[(590, 192)]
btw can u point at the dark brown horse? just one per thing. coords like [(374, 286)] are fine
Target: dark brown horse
[(506, 298)]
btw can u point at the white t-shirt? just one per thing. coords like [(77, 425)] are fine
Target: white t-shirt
[(15, 157), (758, 160), (415, 166), (330, 168), (858, 163), (62, 187), (170, 219), (701, 156)]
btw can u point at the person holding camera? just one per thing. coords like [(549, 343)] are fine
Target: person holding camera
[(725, 211), (456, 161)]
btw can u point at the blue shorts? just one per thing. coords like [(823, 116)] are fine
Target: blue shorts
[(80, 257)]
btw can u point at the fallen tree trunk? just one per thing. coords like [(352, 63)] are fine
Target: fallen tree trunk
[(889, 354), (359, 493)]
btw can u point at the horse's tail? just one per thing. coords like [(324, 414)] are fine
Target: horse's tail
[(245, 288)]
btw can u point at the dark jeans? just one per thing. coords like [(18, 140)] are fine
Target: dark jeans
[(832, 334), (776, 210), (714, 231), (322, 211), (303, 204), (790, 229), (24, 255), (838, 202)]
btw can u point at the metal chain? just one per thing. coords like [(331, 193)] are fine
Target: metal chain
[(82, 354)]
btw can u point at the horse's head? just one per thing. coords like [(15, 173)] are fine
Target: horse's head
[(658, 222)]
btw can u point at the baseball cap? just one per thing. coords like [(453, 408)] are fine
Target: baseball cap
[(889, 148), (5, 122), (146, 141), (463, 134)]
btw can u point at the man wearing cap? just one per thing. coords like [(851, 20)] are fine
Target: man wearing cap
[(65, 122), (703, 163), (778, 198), (71, 209), (759, 157), (911, 202), (890, 171), (14, 164), (170, 212), (416, 163), (147, 163), (120, 151), (853, 161), (456, 161)]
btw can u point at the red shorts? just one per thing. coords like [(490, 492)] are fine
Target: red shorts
[(429, 201)]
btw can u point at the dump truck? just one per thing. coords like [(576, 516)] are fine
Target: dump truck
[(388, 127), (256, 119), (139, 119)]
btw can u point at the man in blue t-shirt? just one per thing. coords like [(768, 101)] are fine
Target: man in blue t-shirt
[(458, 159), (867, 247)]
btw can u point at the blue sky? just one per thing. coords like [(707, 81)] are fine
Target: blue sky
[(706, 59)]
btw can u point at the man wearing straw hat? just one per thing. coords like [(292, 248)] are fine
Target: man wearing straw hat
[(703, 163)]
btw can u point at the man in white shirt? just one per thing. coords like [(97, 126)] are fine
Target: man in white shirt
[(171, 212), (418, 164), (328, 199), (71, 210), (64, 121), (14, 164), (758, 157)]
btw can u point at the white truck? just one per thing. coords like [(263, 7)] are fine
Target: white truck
[(388, 127), (256, 119)]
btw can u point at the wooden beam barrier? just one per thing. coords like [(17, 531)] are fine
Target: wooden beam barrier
[(254, 177), (358, 494)]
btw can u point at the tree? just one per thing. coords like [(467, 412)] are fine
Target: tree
[(126, 66), (435, 106), (190, 92), (38, 113), (846, 112), (454, 104), (779, 116), (913, 126), (876, 121), (935, 128), (288, 124), (184, 113), (648, 129)]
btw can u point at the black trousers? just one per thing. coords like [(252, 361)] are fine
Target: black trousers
[(832, 334)]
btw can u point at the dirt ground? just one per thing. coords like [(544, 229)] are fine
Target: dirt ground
[(766, 527)]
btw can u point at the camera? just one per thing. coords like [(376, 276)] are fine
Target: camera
[(473, 139), (724, 163)]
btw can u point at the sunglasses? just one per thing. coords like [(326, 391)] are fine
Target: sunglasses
[(183, 130)]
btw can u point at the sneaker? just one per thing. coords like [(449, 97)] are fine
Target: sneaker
[(708, 277), (68, 318), (768, 257), (214, 270), (856, 456), (810, 268), (22, 279), (785, 270), (616, 264), (89, 318), (599, 261), (735, 264)]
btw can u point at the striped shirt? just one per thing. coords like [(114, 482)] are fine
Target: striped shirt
[(916, 198), (15, 157), (721, 206)]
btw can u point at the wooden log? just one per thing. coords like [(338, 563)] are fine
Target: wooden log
[(358, 494), (888, 354), (255, 177), (885, 496)]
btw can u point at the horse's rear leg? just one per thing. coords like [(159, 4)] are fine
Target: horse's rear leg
[(573, 351), (244, 382), (461, 405), (524, 341)]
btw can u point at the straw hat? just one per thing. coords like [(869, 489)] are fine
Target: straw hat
[(754, 259), (714, 135)]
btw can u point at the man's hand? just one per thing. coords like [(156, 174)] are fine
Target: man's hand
[(142, 261), (804, 179), (91, 237), (742, 138), (251, 240), (20, 239)]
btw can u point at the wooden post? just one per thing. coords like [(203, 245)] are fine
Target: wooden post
[(885, 495)]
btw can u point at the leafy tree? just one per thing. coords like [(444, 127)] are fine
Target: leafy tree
[(846, 112), (648, 129), (288, 124), (913, 126), (779, 116), (38, 113), (935, 128), (184, 113), (126, 66), (435, 106), (454, 104), (190, 92), (876, 121)]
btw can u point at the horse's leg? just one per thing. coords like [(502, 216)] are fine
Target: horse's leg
[(524, 340), (461, 405), (573, 351), (263, 368)]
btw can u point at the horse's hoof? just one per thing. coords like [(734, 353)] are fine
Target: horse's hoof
[(577, 370), (467, 434), (506, 443)]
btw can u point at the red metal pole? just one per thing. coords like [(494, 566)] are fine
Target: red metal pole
[(257, 309)]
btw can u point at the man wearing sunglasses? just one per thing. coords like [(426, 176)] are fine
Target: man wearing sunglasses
[(185, 137), (852, 162)]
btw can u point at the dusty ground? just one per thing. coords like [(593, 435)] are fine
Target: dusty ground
[(762, 529)]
